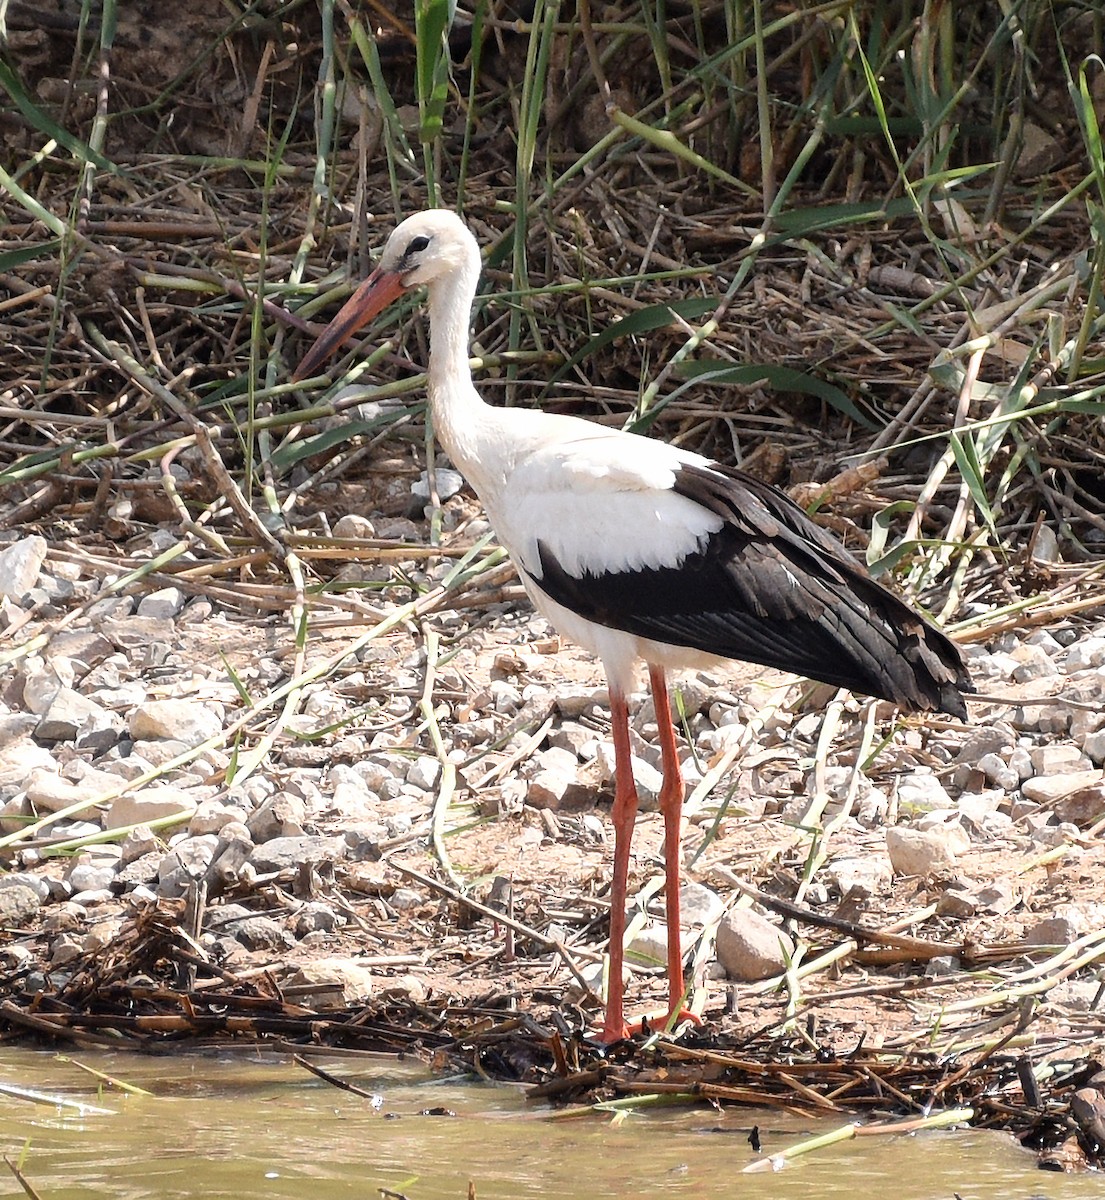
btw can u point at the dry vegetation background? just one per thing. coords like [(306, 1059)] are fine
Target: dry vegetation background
[(783, 234)]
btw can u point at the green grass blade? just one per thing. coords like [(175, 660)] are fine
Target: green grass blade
[(46, 125), (780, 378), (655, 316)]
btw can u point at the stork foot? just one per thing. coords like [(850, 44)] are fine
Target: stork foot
[(661, 1021), (648, 1024)]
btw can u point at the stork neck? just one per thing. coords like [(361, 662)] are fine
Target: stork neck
[(455, 403)]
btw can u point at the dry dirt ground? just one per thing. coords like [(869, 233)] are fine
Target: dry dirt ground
[(917, 1003)]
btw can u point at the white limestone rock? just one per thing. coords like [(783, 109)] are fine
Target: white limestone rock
[(152, 804), (920, 851), (649, 945), (164, 604), (921, 791), (1085, 653), (187, 721), (424, 772), (330, 983), (20, 565), (871, 873), (750, 947), (1050, 789), (50, 792), (1033, 662)]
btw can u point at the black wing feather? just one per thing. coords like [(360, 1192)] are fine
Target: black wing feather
[(772, 587)]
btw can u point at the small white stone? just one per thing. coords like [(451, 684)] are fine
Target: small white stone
[(20, 564), (187, 721), (1094, 746), (1052, 788), (1046, 642), (1088, 652), (919, 851), (1020, 760), (1084, 722), (573, 704), (404, 899), (330, 983), (141, 840), (505, 697), (994, 666), (870, 873), (750, 947), (212, 815), (163, 604), (51, 792), (942, 964), (448, 484), (1053, 836), (377, 773), (950, 825), (89, 877), (1057, 758), (998, 898), (649, 945), (988, 739), (18, 759), (921, 791), (647, 778), (1052, 931), (151, 804), (354, 525), (1043, 718), (36, 883), (956, 903), (69, 714), (976, 806), (1033, 663), (593, 976), (558, 791), (699, 905), (424, 772), (998, 771)]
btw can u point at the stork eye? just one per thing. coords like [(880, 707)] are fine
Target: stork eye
[(418, 244)]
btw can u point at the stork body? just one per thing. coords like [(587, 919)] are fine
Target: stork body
[(643, 552)]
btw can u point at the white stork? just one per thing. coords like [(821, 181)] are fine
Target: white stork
[(638, 550)]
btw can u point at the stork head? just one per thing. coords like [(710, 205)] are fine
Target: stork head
[(429, 246)]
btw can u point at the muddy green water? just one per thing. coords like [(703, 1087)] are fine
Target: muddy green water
[(262, 1127)]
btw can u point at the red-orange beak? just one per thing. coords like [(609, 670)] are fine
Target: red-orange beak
[(374, 295)]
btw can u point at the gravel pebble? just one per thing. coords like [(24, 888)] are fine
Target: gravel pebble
[(424, 772), (68, 714), (287, 853), (152, 804), (751, 947), (1050, 789), (1085, 653), (90, 877), (920, 791), (162, 604), (187, 721), (998, 771), (920, 851), (20, 565), (19, 904)]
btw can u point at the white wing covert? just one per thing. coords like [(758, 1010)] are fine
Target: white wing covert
[(602, 503)]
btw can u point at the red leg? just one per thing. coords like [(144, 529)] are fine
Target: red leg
[(624, 814), (671, 805)]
